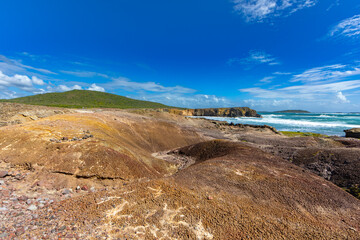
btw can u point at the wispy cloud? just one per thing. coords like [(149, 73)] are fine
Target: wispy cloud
[(12, 64), (349, 27), (327, 73), (255, 58), (188, 101), (258, 10), (128, 85), (267, 79), (305, 92), (282, 73), (85, 74)]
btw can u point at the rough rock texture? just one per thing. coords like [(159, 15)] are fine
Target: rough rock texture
[(219, 112), (334, 158), (113, 185), (14, 113), (353, 133), (120, 146)]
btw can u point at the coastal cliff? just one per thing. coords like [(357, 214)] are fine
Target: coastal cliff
[(218, 112)]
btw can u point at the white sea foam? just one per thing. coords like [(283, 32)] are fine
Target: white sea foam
[(272, 116), (297, 123), (325, 123)]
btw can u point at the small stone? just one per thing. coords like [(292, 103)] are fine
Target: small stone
[(28, 201), (32, 207), (19, 231), (2, 182), (18, 176), (84, 188), (3, 174), (78, 188), (210, 198), (92, 189), (65, 191)]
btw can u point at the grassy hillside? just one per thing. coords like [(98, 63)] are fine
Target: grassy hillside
[(86, 99)]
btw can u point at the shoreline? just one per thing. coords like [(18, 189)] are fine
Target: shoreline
[(318, 125)]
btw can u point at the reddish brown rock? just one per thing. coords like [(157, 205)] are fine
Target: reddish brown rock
[(3, 174)]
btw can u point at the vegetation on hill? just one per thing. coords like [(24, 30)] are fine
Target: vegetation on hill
[(302, 134), (84, 99)]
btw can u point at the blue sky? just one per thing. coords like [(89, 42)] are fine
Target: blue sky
[(265, 54)]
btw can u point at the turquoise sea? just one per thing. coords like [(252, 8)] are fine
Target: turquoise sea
[(324, 123)]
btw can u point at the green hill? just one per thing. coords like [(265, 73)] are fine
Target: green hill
[(84, 99)]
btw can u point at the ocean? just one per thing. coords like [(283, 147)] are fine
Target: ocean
[(323, 123)]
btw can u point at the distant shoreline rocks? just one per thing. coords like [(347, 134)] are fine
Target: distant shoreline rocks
[(218, 112), (352, 133)]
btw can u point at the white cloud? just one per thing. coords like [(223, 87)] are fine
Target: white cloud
[(267, 79), (341, 98), (128, 85), (64, 88), (37, 81), (191, 101), (11, 64), (86, 74), (268, 105), (22, 82), (258, 10), (255, 58), (349, 27), (94, 87), (308, 92), (282, 73), (327, 73)]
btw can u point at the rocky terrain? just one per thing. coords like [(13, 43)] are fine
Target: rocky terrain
[(219, 112), (145, 174), (14, 113), (353, 133)]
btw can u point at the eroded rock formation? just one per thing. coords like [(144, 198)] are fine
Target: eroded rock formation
[(219, 112)]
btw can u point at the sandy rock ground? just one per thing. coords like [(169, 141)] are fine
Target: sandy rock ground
[(147, 174)]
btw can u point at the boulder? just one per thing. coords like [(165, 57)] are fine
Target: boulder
[(352, 133)]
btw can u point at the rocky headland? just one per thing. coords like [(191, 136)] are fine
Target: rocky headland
[(149, 174), (352, 133)]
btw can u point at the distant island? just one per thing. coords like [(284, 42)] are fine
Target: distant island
[(292, 111)]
